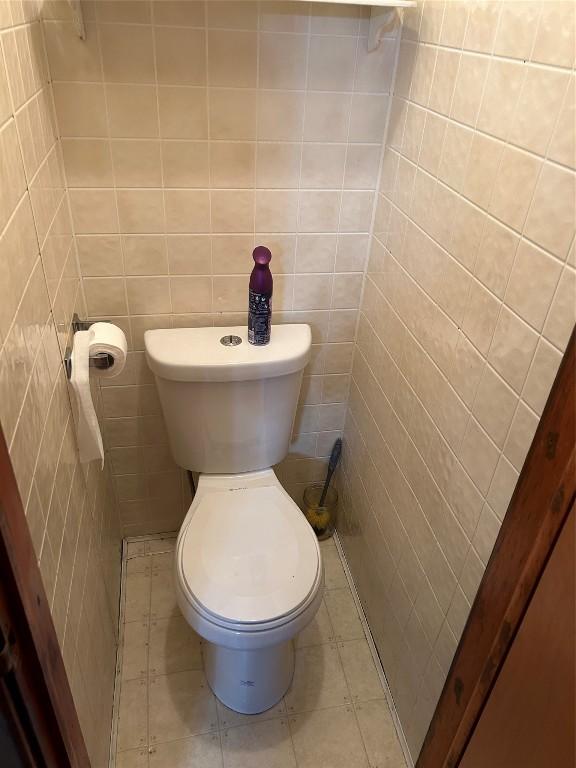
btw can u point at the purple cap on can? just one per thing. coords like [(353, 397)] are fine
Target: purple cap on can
[(261, 277)]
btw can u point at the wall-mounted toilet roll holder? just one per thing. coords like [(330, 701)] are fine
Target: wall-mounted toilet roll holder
[(102, 360)]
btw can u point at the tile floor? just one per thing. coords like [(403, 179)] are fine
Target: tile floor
[(334, 715)]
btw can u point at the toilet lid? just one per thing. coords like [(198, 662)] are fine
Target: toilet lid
[(249, 555)]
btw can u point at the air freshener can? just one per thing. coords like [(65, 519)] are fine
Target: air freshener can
[(260, 298)]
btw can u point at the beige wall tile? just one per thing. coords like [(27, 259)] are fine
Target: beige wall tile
[(179, 14), (514, 187), (69, 57), (232, 114), (280, 116), (562, 314), (232, 211), (191, 294), (183, 112), (517, 29), (81, 109), (127, 53), (232, 59), (332, 63), (232, 165), (554, 42), (105, 296), (185, 164), (282, 61), (136, 11), (144, 254), (541, 375), (187, 210), (327, 117), (132, 110), (229, 15), (87, 162), (140, 210), (562, 147), (94, 211), (278, 165), (284, 16), (189, 254), (180, 56), (276, 210), (322, 166), (231, 254), (99, 255), (148, 295), (551, 220), (136, 163), (532, 284)]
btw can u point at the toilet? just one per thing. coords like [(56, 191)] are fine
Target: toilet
[(248, 570)]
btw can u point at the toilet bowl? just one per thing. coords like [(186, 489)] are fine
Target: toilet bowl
[(248, 579)]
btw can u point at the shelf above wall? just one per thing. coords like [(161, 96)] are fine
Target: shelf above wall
[(375, 3), (380, 15)]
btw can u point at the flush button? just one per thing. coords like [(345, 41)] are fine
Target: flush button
[(230, 341)]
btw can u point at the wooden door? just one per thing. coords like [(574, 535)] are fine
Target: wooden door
[(529, 719), (540, 506), (38, 721)]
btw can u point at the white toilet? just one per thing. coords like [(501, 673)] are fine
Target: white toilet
[(248, 567)]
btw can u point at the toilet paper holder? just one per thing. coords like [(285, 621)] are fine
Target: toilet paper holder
[(102, 361)]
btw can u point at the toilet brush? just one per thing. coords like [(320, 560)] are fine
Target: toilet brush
[(332, 464)]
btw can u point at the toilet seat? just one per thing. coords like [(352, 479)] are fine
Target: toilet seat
[(247, 560)]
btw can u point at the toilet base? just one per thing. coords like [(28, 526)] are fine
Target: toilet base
[(249, 681)]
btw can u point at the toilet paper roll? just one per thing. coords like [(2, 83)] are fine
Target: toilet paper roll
[(108, 338), (87, 429)]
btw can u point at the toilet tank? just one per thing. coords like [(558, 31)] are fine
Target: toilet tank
[(229, 406)]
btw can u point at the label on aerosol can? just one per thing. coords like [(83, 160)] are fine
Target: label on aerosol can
[(259, 317)]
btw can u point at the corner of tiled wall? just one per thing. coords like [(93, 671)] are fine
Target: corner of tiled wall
[(69, 508), (190, 132), (468, 304)]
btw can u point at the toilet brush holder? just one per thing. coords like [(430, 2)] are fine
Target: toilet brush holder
[(322, 518)]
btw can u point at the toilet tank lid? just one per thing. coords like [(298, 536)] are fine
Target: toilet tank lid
[(198, 354)]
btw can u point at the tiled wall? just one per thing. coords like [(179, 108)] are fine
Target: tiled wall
[(190, 132), (468, 305), (70, 512)]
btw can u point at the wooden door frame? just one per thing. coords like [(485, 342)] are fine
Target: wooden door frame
[(31, 660), (541, 502)]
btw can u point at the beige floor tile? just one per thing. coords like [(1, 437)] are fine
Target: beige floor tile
[(227, 718), (360, 672), (163, 600), (334, 575), (202, 751), (140, 564), (181, 705), (164, 544), (318, 631), (134, 758), (329, 738), (318, 680), (137, 597), (164, 561), (343, 615), (379, 734), (174, 646), (132, 715), (261, 745), (135, 548), (135, 650)]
